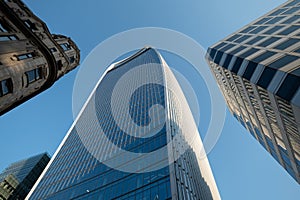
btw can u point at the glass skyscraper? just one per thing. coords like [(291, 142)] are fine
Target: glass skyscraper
[(257, 69), (135, 138), (17, 179)]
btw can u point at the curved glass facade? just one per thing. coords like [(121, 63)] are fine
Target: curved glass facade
[(134, 139)]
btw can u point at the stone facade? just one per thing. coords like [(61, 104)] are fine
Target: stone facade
[(31, 58)]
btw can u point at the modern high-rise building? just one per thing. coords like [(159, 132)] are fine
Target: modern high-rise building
[(17, 180), (258, 71), (135, 138), (31, 58)]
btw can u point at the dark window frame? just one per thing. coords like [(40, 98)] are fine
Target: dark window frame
[(9, 87), (33, 75)]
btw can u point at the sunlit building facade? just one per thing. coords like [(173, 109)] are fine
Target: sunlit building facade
[(153, 153), (258, 71), (31, 58)]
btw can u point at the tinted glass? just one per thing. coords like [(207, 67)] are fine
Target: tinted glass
[(239, 49), (254, 40), (274, 20), (281, 62), (263, 20), (218, 57), (292, 19), (264, 56), (291, 10), (258, 29), (227, 61), (246, 30), (290, 30), (273, 30), (242, 39), (249, 70), (287, 44), (266, 77), (249, 52), (229, 46), (289, 86), (237, 64), (233, 37), (268, 42)]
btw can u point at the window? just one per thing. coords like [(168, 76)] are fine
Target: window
[(263, 20), (218, 57), (220, 45), (287, 44), (289, 86), (30, 25), (242, 39), (233, 37), (25, 56), (292, 3), (277, 12), (229, 46), (237, 50), (254, 40), (249, 70), (264, 56), (268, 41), (291, 10), (292, 19), (275, 20), (281, 62), (65, 46), (259, 29), (8, 37), (249, 52), (72, 59), (290, 30), (53, 49), (34, 75), (273, 30), (6, 87), (237, 64), (3, 27), (227, 61), (266, 77), (246, 30)]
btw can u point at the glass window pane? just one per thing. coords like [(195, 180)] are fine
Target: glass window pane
[(233, 37), (275, 20), (264, 56), (227, 61), (291, 10), (259, 29), (249, 52), (273, 30), (277, 12), (249, 70), (263, 20), (266, 77), (289, 86), (287, 44), (237, 64), (254, 40), (281, 62), (242, 39), (268, 41), (290, 30), (239, 49), (292, 19), (246, 30)]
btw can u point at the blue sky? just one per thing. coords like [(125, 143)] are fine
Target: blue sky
[(242, 168)]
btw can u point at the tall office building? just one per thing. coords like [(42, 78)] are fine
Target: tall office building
[(31, 58), (257, 69), (135, 138), (17, 180)]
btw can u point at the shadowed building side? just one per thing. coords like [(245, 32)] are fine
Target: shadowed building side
[(31, 58)]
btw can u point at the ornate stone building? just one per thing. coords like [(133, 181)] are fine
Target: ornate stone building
[(31, 58)]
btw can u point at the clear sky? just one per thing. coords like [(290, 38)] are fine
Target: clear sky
[(242, 168)]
